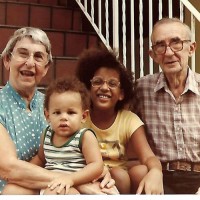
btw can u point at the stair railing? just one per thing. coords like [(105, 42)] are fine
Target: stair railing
[(116, 24)]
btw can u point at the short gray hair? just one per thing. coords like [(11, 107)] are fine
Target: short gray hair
[(166, 20), (36, 34)]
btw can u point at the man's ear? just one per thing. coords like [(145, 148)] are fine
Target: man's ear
[(84, 116), (193, 47), (152, 55), (6, 62)]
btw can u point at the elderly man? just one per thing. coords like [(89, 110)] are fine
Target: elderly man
[(169, 104)]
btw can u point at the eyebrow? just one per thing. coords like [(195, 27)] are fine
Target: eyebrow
[(22, 48), (171, 40)]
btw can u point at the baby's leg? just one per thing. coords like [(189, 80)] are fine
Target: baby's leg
[(122, 180), (136, 174), (12, 189)]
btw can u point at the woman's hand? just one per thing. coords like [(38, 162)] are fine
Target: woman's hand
[(152, 183)]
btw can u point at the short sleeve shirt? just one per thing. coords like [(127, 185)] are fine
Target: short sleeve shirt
[(23, 127), (173, 126), (114, 140)]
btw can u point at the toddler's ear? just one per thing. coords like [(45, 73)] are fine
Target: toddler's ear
[(84, 116), (46, 113)]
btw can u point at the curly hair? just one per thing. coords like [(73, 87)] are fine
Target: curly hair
[(92, 59), (62, 85)]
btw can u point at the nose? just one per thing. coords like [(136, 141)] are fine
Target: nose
[(64, 116), (105, 86), (30, 61), (169, 51)]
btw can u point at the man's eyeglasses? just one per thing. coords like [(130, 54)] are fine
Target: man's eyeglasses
[(98, 81), (22, 55), (175, 46)]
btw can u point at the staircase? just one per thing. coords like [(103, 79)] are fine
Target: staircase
[(64, 23)]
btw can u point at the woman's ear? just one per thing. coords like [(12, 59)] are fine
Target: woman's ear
[(45, 70), (121, 96), (6, 62)]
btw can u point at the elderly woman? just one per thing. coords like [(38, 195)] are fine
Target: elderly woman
[(27, 57)]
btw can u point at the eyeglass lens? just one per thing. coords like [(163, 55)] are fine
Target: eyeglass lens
[(22, 55), (98, 82)]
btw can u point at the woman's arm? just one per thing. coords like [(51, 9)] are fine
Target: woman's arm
[(18, 171)]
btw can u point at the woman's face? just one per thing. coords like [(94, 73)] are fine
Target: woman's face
[(25, 75), (106, 92)]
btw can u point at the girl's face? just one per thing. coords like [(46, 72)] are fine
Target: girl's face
[(105, 89)]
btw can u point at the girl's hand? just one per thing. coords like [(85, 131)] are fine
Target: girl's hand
[(107, 184), (152, 183)]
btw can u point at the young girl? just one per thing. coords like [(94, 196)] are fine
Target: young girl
[(111, 89), (65, 144)]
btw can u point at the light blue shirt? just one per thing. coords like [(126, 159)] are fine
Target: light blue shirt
[(24, 127)]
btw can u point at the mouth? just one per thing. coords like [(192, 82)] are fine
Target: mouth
[(171, 62), (104, 96), (27, 73), (63, 125)]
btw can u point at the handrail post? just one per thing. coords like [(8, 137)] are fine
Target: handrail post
[(116, 26)]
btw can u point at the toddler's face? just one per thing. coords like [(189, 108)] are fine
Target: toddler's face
[(65, 113)]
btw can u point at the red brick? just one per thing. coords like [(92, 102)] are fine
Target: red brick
[(65, 68), (5, 34), (17, 14), (57, 42), (2, 13), (49, 2), (77, 23), (93, 41), (28, 1), (74, 44), (62, 18), (40, 16)]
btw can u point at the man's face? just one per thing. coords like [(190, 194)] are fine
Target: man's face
[(169, 34)]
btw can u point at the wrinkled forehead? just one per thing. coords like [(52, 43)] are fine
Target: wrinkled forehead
[(30, 44), (167, 31)]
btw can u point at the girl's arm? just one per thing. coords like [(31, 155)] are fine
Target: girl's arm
[(152, 183)]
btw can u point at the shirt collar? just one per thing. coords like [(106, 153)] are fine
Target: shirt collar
[(191, 83), (19, 99)]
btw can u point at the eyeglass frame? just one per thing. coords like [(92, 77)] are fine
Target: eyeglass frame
[(105, 81), (182, 41), (31, 54)]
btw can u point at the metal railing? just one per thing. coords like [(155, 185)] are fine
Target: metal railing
[(126, 27)]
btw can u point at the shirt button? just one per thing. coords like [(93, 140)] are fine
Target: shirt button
[(33, 135), (29, 114)]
